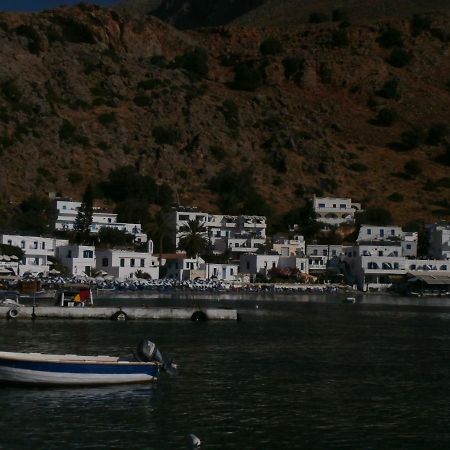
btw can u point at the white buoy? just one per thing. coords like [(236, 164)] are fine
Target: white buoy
[(194, 441)]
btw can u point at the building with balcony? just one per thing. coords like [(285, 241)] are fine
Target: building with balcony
[(289, 246), (335, 211), (376, 265), (241, 234), (67, 211), (439, 240), (36, 249)]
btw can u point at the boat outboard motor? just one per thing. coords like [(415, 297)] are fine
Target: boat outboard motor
[(147, 352)]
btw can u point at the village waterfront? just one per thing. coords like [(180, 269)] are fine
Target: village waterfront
[(293, 373)]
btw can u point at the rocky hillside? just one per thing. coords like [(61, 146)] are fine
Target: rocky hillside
[(200, 13), (225, 115)]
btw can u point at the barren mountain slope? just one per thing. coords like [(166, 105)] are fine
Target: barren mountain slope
[(85, 90)]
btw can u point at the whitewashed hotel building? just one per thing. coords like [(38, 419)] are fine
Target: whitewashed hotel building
[(68, 211), (37, 250), (242, 234), (335, 211)]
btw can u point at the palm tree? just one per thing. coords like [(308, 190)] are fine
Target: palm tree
[(193, 240)]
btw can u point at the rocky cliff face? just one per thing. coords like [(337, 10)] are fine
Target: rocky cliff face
[(359, 110)]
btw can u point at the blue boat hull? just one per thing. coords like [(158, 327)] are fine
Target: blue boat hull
[(76, 373)]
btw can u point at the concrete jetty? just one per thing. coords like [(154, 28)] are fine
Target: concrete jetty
[(115, 313)]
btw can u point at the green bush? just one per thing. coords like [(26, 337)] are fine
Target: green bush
[(420, 23), (77, 32), (318, 17), (386, 117), (230, 112), (374, 216), (339, 38), (33, 37), (400, 58), (412, 138), (151, 83), (247, 77), (339, 15), (142, 100), (395, 197), (437, 133), (358, 167), (391, 38), (271, 46), (107, 118), (412, 168), (390, 89), (195, 62), (166, 135), (67, 131), (293, 67)]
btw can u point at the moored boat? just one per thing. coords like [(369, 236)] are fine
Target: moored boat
[(49, 369)]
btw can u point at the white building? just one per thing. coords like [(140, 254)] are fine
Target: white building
[(123, 264), (68, 211), (285, 246), (252, 263), (321, 256), (180, 267), (241, 234), (439, 240), (335, 211), (375, 265), (221, 272), (78, 259), (37, 251)]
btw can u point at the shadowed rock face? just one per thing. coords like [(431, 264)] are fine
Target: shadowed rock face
[(200, 13)]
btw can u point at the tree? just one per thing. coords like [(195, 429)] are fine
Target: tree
[(271, 46), (374, 216), (83, 221), (113, 237), (193, 240), (159, 231), (35, 214)]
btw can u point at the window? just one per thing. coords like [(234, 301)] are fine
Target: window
[(132, 262), (88, 254), (396, 266), (183, 217), (43, 246), (22, 244), (273, 264), (105, 262), (109, 220), (231, 271), (69, 253), (324, 252), (122, 262), (333, 252), (381, 232), (369, 231), (392, 232), (9, 242), (248, 265), (334, 206), (35, 244), (142, 262), (342, 206), (321, 205), (408, 246), (314, 252), (380, 252)]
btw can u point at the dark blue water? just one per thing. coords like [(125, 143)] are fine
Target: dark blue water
[(309, 376)]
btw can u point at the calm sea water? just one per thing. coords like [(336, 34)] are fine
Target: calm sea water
[(287, 376)]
